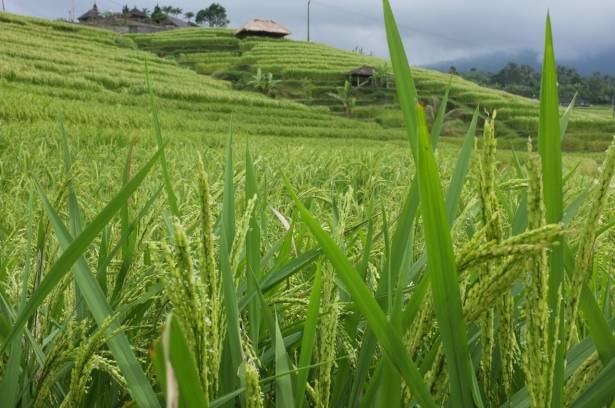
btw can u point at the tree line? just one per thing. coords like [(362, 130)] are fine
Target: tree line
[(212, 16), (521, 79)]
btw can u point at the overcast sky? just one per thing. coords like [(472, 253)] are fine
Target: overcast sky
[(434, 30)]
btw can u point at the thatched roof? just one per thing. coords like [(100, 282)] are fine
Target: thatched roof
[(136, 13), (364, 71), (262, 27), (90, 14), (177, 22)]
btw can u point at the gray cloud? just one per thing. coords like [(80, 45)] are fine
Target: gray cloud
[(433, 31)]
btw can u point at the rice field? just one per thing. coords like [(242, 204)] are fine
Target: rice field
[(216, 52), (166, 240)]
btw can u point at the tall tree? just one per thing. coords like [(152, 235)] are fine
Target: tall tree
[(189, 15), (175, 11), (213, 16), (158, 15)]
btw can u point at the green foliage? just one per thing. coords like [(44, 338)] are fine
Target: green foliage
[(212, 16), (345, 97)]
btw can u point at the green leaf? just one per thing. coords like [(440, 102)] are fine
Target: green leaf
[(96, 301), (436, 129), (179, 355), (308, 339), (563, 122), (549, 146), (253, 243), (367, 305), (462, 166), (227, 231), (443, 272), (172, 199), (77, 249), (284, 390), (406, 90)]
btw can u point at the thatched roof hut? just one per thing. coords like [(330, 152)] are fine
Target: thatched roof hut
[(177, 22), (361, 74), (91, 14), (262, 28), (136, 13)]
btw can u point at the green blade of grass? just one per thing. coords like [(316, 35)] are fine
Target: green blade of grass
[(436, 129), (453, 195), (441, 260), (182, 360), (549, 146), (406, 90), (73, 209), (171, 197), (65, 262), (96, 301), (367, 305), (443, 273), (227, 231), (563, 122), (308, 340), (599, 329), (9, 386), (600, 391), (253, 243), (284, 386)]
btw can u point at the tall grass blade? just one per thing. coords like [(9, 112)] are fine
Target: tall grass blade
[(443, 272), (406, 90), (441, 260), (284, 390), (227, 231), (96, 301), (600, 391), (77, 249), (253, 243), (308, 340), (460, 172), (171, 197), (387, 336), (549, 146), (182, 360)]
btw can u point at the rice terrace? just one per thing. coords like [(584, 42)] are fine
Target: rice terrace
[(201, 216)]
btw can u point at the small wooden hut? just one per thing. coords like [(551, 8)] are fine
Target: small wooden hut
[(262, 28), (361, 75), (90, 15), (137, 14)]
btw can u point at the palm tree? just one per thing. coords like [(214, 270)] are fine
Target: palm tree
[(264, 83), (344, 96), (189, 15)]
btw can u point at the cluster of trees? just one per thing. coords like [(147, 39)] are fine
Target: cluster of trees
[(212, 16), (525, 80)]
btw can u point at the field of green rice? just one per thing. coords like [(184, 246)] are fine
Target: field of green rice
[(166, 240)]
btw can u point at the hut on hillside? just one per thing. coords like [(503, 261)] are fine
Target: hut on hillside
[(90, 15), (362, 75), (175, 22), (262, 28), (138, 14)]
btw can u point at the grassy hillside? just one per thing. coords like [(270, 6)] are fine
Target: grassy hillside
[(309, 72), (96, 79)]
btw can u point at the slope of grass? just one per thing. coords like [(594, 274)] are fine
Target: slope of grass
[(217, 52), (96, 79)]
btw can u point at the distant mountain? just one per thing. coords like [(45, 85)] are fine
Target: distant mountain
[(603, 62)]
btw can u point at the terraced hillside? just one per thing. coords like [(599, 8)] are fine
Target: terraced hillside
[(309, 72), (96, 80)]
